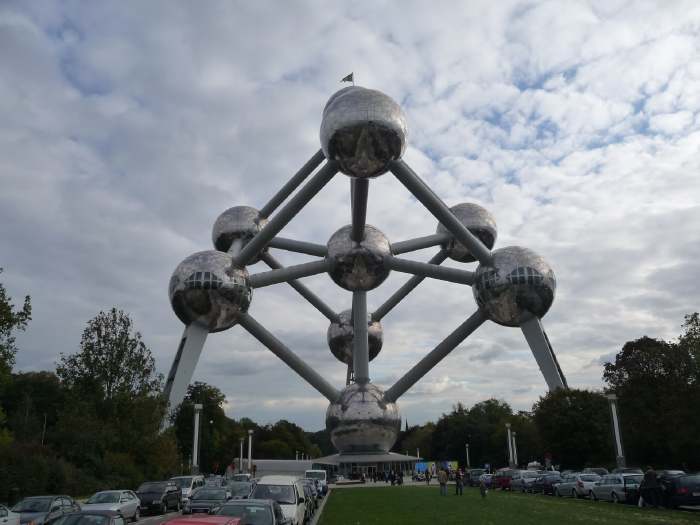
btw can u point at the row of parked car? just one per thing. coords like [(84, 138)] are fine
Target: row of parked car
[(271, 500), (678, 488)]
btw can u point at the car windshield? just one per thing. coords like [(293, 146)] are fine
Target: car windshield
[(209, 494), (83, 519), (315, 475), (590, 477), (282, 494), (105, 497), (239, 489), (249, 514), (33, 505), (152, 487), (184, 483), (691, 480), (634, 480)]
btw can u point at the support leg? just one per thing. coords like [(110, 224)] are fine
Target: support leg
[(360, 341), (183, 366), (360, 193), (544, 354)]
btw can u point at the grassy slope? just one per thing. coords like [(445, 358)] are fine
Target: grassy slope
[(424, 505)]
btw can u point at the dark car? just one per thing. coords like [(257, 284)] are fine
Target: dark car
[(42, 510), (545, 483), (160, 496), (502, 478), (92, 517), (240, 489), (254, 511), (205, 499), (473, 476), (680, 490)]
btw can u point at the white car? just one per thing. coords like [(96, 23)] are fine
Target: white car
[(616, 487), (322, 478), (576, 485), (188, 484), (125, 502), (7, 517), (288, 492)]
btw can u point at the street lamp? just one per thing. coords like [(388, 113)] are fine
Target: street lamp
[(240, 457), (195, 439), (510, 445), (466, 448), (250, 451), (620, 455)]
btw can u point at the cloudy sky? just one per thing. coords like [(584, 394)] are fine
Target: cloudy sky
[(127, 128)]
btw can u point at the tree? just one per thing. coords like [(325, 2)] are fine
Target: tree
[(575, 427), (112, 361), (10, 321)]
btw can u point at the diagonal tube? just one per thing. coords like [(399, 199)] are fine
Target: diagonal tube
[(440, 211), (405, 289), (360, 341), (292, 245), (290, 273), (292, 360), (411, 245), (359, 194), (292, 184), (544, 353), (307, 294), (453, 275), (426, 364), (286, 214)]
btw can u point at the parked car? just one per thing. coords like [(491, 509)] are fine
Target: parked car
[(321, 476), (205, 499), (680, 490), (473, 476), (576, 485), (240, 489), (188, 484), (205, 520), (502, 477), (92, 517), (159, 496), (254, 511), (314, 491), (596, 470), (627, 470), (544, 483), (125, 502), (241, 477), (487, 479), (617, 488), (7, 517), (42, 510), (524, 479), (286, 491)]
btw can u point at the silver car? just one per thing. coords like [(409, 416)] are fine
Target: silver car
[(576, 484), (522, 480), (617, 488), (125, 502)]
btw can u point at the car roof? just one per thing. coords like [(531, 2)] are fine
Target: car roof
[(278, 480), (254, 501)]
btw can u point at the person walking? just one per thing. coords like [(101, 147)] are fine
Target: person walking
[(442, 479), (427, 477), (482, 488), (459, 483), (652, 490)]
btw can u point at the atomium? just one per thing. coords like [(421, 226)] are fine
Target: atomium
[(363, 135)]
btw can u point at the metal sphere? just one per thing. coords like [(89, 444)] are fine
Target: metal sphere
[(340, 337), (362, 422), (363, 129), (206, 289), (358, 266), (239, 222), (478, 221), (520, 285)]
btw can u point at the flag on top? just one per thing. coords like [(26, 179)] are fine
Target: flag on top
[(349, 78)]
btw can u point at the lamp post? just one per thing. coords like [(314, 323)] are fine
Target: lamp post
[(250, 451), (619, 453), (195, 439), (515, 451), (510, 445), (240, 457), (466, 448)]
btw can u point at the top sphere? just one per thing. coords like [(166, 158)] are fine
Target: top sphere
[(206, 289), (519, 286), (239, 222), (478, 221), (363, 130)]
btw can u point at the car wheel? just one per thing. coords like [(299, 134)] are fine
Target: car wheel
[(574, 494), (137, 515), (591, 495), (557, 493), (615, 499), (163, 507)]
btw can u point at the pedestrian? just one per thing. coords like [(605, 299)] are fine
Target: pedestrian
[(442, 479), (652, 490), (459, 483), (427, 477), (482, 488)]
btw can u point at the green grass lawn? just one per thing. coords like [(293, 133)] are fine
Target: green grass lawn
[(424, 505)]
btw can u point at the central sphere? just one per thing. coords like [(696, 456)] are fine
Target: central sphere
[(239, 222), (363, 130), (362, 422), (340, 337), (358, 266), (207, 290), (518, 286), (478, 221)]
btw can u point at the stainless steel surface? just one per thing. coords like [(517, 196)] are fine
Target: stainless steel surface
[(363, 129), (360, 194), (454, 275), (292, 245), (207, 290), (358, 266), (361, 421), (478, 221), (360, 344), (518, 286), (419, 243), (340, 335), (240, 223), (290, 273), (181, 371)]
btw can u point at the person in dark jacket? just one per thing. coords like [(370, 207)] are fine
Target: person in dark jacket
[(459, 483), (651, 490)]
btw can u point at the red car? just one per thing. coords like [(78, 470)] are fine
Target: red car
[(501, 479), (199, 519)]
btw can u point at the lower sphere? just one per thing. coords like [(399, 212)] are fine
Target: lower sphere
[(362, 422), (358, 266), (518, 286), (340, 337), (206, 289)]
